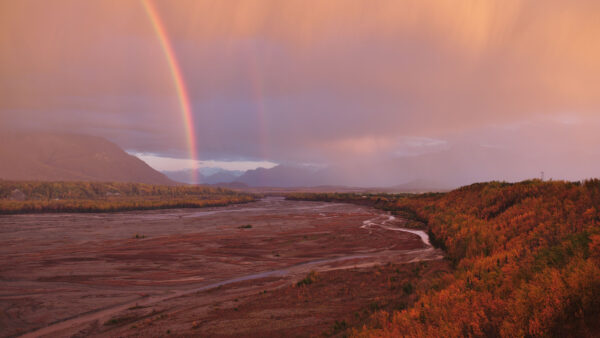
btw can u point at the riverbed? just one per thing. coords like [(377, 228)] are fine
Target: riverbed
[(63, 273)]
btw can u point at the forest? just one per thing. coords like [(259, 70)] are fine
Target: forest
[(526, 260), (35, 196)]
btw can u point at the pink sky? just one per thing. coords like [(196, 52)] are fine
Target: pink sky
[(384, 91)]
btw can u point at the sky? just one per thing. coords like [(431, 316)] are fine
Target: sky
[(381, 92)]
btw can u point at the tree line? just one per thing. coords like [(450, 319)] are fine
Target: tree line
[(35, 196)]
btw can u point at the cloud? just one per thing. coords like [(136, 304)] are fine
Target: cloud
[(340, 82)]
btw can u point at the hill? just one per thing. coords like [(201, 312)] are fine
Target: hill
[(70, 157), (526, 261)]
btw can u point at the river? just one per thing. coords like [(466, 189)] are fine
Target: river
[(60, 272)]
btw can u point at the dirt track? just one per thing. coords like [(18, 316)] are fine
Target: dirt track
[(82, 273)]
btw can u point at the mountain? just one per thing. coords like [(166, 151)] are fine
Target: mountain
[(70, 157), (221, 177), (282, 176), (184, 176), (234, 186), (204, 175)]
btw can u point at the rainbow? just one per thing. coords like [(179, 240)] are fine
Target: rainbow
[(182, 94)]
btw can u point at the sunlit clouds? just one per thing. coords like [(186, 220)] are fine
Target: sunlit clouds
[(387, 91)]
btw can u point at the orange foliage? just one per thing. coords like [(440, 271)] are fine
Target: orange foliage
[(526, 257), (110, 197)]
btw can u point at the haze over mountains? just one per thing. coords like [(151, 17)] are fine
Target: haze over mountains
[(59, 156), (46, 156), (278, 176), (70, 157), (211, 176), (289, 176)]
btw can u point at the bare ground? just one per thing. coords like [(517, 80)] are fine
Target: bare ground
[(200, 272)]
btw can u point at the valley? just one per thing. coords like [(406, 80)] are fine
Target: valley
[(110, 274)]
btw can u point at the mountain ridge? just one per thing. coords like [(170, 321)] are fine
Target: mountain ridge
[(46, 156)]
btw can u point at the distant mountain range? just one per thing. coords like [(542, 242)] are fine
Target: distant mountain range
[(69, 157), (210, 176), (283, 176), (286, 176), (279, 176)]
